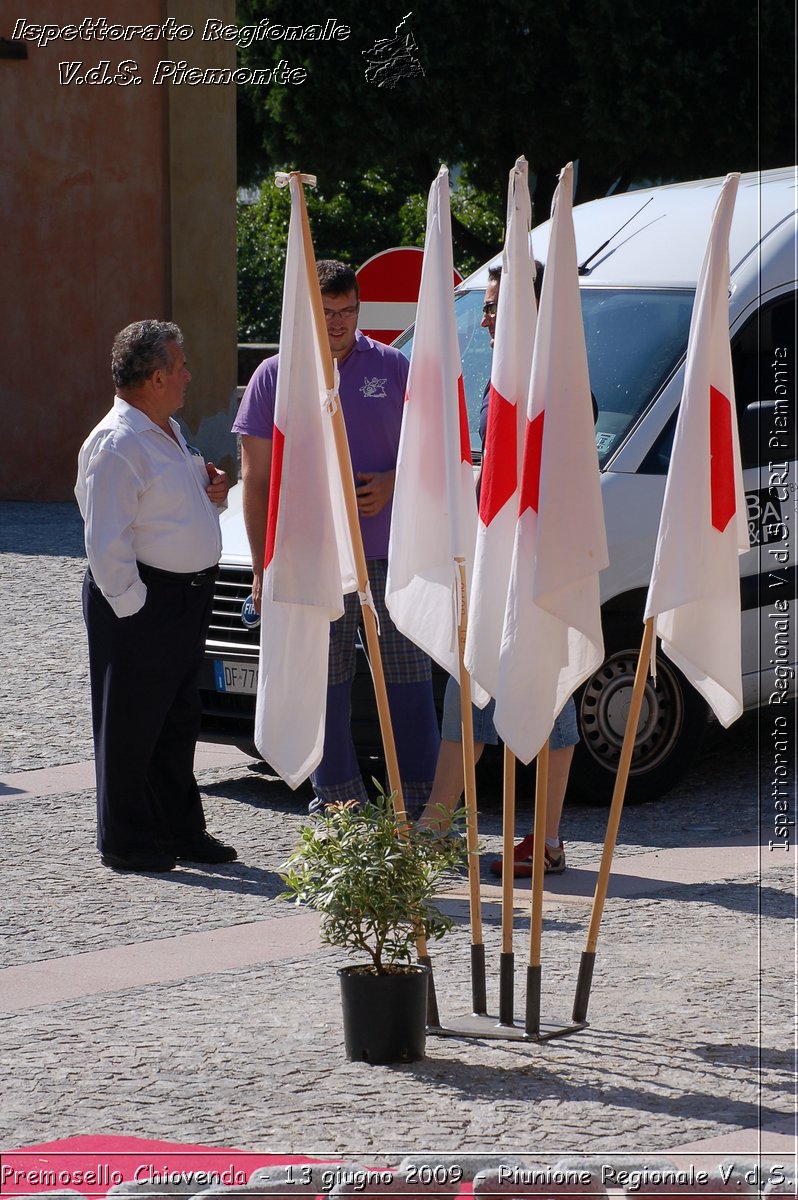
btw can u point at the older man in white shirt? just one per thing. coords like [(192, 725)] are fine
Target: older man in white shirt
[(151, 510)]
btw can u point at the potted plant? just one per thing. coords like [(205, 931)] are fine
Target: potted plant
[(372, 876)]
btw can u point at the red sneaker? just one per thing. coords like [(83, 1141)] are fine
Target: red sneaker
[(553, 859)]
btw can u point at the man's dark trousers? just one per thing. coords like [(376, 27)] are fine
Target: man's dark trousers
[(144, 672)]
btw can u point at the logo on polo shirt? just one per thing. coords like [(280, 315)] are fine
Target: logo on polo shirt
[(374, 388)]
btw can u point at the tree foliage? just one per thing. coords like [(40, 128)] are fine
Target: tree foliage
[(630, 92), (351, 223), (362, 217)]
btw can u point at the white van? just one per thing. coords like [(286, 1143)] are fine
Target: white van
[(639, 254)]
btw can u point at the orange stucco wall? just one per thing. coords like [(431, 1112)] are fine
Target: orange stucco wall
[(90, 207)]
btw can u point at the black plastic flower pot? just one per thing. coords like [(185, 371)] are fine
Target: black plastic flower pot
[(385, 1016)]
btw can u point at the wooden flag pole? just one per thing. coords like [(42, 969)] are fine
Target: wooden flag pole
[(353, 521), (507, 957), (618, 794), (479, 995), (532, 1018)]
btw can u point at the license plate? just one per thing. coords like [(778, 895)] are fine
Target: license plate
[(235, 677)]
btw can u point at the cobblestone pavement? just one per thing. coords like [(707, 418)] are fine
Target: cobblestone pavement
[(691, 1011)]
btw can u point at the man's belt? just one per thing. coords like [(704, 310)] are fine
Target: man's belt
[(190, 579)]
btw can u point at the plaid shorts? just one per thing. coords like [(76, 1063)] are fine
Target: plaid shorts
[(408, 679), (402, 661)]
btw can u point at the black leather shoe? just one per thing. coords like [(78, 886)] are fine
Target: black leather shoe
[(144, 860), (204, 848)]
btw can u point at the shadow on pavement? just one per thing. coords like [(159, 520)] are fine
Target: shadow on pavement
[(540, 1079), (768, 1060), (236, 878), (49, 529)]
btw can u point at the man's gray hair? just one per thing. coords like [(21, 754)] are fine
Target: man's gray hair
[(141, 348)]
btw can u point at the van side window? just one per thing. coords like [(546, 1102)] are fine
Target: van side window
[(763, 359), (763, 363)]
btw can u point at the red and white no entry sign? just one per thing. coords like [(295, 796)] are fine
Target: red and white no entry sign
[(389, 283)]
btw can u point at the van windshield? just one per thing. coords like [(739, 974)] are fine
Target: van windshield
[(635, 340)]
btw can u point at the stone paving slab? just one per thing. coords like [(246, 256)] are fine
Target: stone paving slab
[(638, 874), (166, 959), (79, 776), (249, 1029), (173, 958), (778, 1142)]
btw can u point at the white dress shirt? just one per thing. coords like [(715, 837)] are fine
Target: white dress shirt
[(143, 498)]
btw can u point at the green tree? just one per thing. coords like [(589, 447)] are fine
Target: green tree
[(262, 233), (679, 91), (676, 91), (360, 218), (351, 222)]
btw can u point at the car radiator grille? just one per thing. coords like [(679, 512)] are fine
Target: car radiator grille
[(226, 634)]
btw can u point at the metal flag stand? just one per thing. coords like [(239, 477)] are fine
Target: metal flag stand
[(533, 1029), (505, 1027)]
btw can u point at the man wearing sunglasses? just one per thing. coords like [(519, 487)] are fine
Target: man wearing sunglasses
[(372, 379)]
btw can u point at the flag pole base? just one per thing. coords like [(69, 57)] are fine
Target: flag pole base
[(583, 983), (532, 1019), (488, 1027), (479, 996), (506, 984), (433, 1017)]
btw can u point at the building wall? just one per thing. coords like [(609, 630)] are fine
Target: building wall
[(116, 203), (202, 155)]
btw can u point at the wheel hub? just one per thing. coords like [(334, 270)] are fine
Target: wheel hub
[(604, 711)]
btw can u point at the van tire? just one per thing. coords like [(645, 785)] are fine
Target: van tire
[(672, 723)]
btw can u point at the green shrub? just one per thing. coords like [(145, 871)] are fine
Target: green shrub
[(372, 877)]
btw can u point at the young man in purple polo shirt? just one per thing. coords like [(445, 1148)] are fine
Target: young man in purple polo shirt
[(372, 388)]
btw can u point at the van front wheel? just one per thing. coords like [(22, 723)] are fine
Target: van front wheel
[(671, 728)]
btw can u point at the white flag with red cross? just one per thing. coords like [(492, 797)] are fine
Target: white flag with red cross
[(516, 317), (308, 562), (434, 507), (552, 639), (695, 584)]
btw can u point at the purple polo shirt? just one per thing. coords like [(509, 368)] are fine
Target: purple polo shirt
[(372, 390)]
